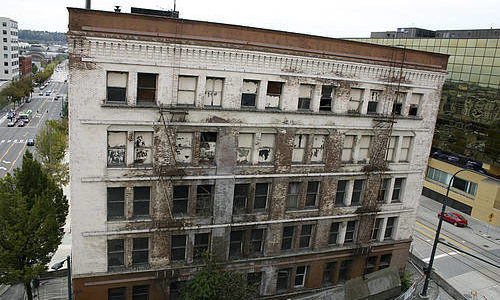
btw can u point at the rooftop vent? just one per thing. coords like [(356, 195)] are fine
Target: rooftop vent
[(154, 12)]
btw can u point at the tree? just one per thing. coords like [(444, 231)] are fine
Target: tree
[(51, 145), (34, 68), (212, 282), (33, 211)]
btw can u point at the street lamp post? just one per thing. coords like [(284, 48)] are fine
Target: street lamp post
[(58, 266)]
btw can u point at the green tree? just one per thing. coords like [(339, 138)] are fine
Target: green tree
[(34, 68), (33, 211), (51, 144)]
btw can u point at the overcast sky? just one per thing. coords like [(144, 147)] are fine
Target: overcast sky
[(333, 18)]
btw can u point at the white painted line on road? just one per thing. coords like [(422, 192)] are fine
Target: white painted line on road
[(9, 141), (2, 168), (6, 162), (439, 256), (2, 141)]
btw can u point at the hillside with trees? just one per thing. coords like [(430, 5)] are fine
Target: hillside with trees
[(35, 36)]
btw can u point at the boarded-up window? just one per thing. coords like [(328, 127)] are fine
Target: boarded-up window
[(213, 91), (374, 102), (318, 144), (266, 148), (391, 149), (405, 149), (142, 196), (249, 93), (364, 148), (325, 103), (415, 103), (305, 95), (116, 86), (143, 147), (208, 141), (245, 146), (146, 87), (186, 93), (347, 148), (117, 148), (355, 99), (183, 145), (299, 147), (273, 94), (397, 106)]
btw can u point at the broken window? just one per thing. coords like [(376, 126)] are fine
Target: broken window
[(334, 233), (142, 196), (245, 147), (256, 241), (391, 149), (140, 251), (283, 279), (273, 94), (208, 142), (140, 292), (389, 228), (293, 195), (201, 245), (146, 87), (344, 270), (375, 97), (299, 147), (116, 203), (340, 194), (347, 148), (287, 240), (204, 195), (325, 103), (180, 200), (266, 148), (117, 148), (312, 193), (318, 144), (184, 147), (260, 200), (143, 148), (305, 95), (178, 247), (305, 236), (329, 272), (249, 93), (186, 93), (376, 228), (355, 99), (396, 192), (236, 243), (300, 276), (117, 293), (385, 261), (116, 253), (383, 190), (213, 91), (415, 102), (405, 149), (350, 232), (397, 106), (116, 89), (364, 148), (357, 192), (240, 198)]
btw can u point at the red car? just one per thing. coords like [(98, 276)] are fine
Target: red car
[(454, 218)]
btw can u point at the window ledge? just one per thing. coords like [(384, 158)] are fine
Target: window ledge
[(305, 210), (308, 165), (255, 166), (130, 168), (126, 105), (131, 220)]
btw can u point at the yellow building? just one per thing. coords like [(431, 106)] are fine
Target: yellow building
[(477, 195)]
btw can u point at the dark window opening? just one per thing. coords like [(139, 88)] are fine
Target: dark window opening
[(142, 196), (240, 198), (254, 281), (340, 194), (260, 200), (146, 87), (116, 203), (283, 279), (413, 110), (325, 102), (204, 200), (201, 245), (236, 243), (305, 236), (116, 253), (357, 192), (180, 200), (117, 293), (371, 264), (287, 240), (300, 276), (385, 261), (389, 228), (116, 86), (140, 292), (140, 251), (376, 228), (344, 272), (334, 233), (396, 192), (178, 247), (329, 273), (256, 241), (372, 107), (312, 193), (350, 230), (397, 108), (274, 88)]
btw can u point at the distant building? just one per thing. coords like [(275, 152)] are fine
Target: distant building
[(9, 49), (25, 64)]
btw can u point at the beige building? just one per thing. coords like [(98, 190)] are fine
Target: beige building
[(9, 49), (295, 159)]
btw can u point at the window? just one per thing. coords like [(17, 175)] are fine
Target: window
[(318, 144), (143, 148), (184, 150), (140, 251), (340, 194), (350, 232), (117, 293), (4, 24), (204, 195), (293, 195), (371, 264), (4, 31), (256, 241), (117, 86), (396, 192), (260, 200), (249, 93), (334, 233), (140, 292), (344, 272), (5, 48), (300, 276), (287, 241), (245, 147), (6, 64), (329, 273), (186, 93), (325, 102), (438, 175), (116, 253), (146, 87), (305, 95), (405, 149), (207, 146), (116, 148), (312, 193), (5, 40), (382, 194), (236, 243), (376, 228), (142, 196), (178, 247), (391, 149), (180, 200), (356, 97), (283, 279), (464, 185), (397, 106), (266, 148), (242, 201), (254, 281), (385, 261), (240, 198), (297, 236), (299, 147), (175, 290), (246, 242), (201, 244), (389, 228), (364, 148), (116, 203), (357, 192), (273, 94), (375, 97), (415, 102), (347, 148), (213, 91), (305, 236)]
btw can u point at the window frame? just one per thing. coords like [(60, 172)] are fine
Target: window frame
[(140, 251), (184, 90), (138, 201), (109, 201), (178, 247), (140, 89), (112, 253)]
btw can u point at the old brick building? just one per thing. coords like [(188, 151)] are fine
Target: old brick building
[(295, 159)]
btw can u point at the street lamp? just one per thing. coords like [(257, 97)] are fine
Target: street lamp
[(59, 265)]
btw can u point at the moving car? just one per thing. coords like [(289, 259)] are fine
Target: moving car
[(30, 142), (454, 218), (40, 94), (47, 93), (20, 123), (11, 124)]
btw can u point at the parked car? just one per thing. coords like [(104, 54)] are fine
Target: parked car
[(20, 123), (40, 94), (47, 93), (454, 218), (11, 124), (30, 142)]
